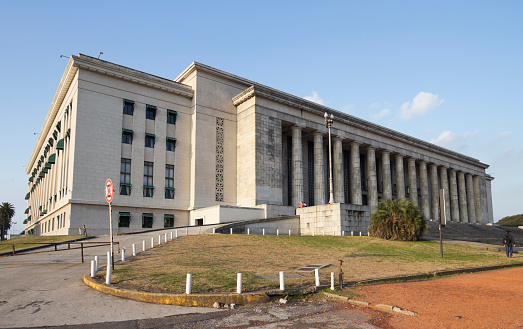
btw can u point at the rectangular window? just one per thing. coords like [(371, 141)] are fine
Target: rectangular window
[(127, 136), (149, 140), (147, 220), (125, 177), (124, 219), (168, 221), (171, 117), (169, 181), (148, 187), (128, 107), (150, 112), (171, 144)]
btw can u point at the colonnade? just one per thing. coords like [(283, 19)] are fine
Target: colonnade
[(420, 181)]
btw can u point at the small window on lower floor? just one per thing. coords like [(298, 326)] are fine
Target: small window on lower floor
[(125, 189), (147, 220), (169, 192), (124, 219), (168, 221)]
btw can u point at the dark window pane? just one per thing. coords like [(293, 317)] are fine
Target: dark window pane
[(128, 108), (149, 141), (150, 113)]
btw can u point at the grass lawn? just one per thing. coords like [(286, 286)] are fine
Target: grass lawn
[(214, 259), (7, 245)]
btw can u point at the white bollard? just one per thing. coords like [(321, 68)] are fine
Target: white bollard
[(187, 231), (332, 280), (134, 249), (351, 233), (143, 245), (333, 233), (171, 235), (213, 230), (165, 237), (342, 233), (317, 275), (289, 232), (282, 280), (152, 242), (199, 230), (230, 230), (176, 234), (109, 269), (263, 230), (248, 231), (323, 232), (188, 284), (97, 261), (159, 239), (123, 254), (277, 231), (239, 283), (360, 233), (312, 233), (93, 271)]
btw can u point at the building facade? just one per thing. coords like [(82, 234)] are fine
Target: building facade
[(210, 147)]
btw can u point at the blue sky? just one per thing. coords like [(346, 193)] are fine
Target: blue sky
[(447, 72)]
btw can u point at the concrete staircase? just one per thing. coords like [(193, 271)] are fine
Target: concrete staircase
[(474, 233)]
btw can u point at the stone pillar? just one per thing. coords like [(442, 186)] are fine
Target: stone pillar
[(355, 174), (463, 212), (387, 178), (337, 167), (413, 184), (400, 177), (297, 167), (373, 181), (319, 170), (477, 199), (445, 186), (424, 187), (454, 203), (434, 191), (483, 198), (470, 199)]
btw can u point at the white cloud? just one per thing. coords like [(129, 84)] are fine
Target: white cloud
[(382, 113), (421, 104), (505, 134), (446, 139), (315, 98)]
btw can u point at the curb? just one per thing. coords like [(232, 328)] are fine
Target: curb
[(198, 300)]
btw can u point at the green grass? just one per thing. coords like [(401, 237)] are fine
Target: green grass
[(21, 242), (214, 260)]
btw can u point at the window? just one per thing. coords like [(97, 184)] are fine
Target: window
[(168, 221), (127, 136), (128, 107), (171, 117), (150, 112), (147, 220), (171, 144), (149, 140), (125, 177), (148, 187), (169, 181), (124, 219)]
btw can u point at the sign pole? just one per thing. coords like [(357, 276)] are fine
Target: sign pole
[(109, 198), (442, 218)]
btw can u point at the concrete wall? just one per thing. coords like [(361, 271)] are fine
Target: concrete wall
[(337, 217), (224, 214)]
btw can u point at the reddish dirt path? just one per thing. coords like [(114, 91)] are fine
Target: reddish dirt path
[(482, 300)]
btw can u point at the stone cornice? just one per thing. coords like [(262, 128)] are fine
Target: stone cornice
[(309, 106)]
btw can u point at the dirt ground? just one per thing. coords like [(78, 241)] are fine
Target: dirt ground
[(491, 299)]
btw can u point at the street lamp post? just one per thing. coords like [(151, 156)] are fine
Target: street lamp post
[(328, 124)]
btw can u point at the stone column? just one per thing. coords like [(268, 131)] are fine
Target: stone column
[(463, 212), (400, 177), (373, 181), (434, 193), (424, 187), (470, 199), (337, 167), (477, 199), (413, 184), (297, 167), (355, 174), (483, 198), (387, 178), (445, 186), (454, 203), (319, 170)]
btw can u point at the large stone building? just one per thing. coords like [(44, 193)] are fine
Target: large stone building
[(214, 147)]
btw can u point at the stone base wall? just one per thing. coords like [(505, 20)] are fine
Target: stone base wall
[(337, 218), (271, 210)]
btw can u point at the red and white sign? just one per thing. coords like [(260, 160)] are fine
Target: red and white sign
[(109, 190)]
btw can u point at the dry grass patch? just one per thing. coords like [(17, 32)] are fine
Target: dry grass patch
[(7, 245), (214, 260)]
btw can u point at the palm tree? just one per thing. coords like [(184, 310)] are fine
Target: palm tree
[(7, 212), (397, 220)]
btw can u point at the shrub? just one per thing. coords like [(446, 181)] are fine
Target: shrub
[(516, 220), (397, 220)]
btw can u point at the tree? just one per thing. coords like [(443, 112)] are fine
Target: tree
[(515, 220), (397, 220), (7, 212)]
